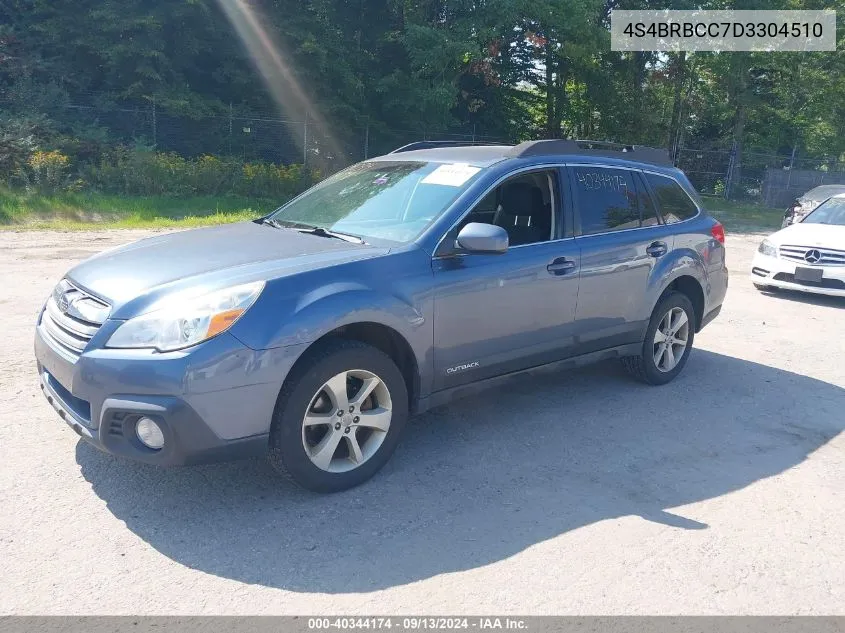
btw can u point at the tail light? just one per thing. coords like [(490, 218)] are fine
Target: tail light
[(718, 232)]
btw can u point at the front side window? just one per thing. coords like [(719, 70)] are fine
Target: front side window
[(524, 205), (675, 203), (830, 212), (607, 199), (385, 200)]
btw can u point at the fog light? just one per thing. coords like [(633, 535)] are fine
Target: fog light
[(149, 433)]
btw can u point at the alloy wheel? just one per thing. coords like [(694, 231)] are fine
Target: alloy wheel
[(347, 421), (671, 339)]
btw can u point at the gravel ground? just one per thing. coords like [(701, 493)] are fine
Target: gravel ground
[(577, 493)]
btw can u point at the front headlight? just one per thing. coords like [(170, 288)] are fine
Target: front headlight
[(187, 322), (767, 248)]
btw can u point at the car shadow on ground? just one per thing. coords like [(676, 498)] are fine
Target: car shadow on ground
[(806, 297), (486, 478)]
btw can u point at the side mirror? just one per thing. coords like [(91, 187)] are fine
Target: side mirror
[(477, 237)]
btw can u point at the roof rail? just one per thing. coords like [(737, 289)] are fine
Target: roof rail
[(592, 148), (410, 147)]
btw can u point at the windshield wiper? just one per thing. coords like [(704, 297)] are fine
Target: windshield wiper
[(311, 229), (271, 222), (323, 232)]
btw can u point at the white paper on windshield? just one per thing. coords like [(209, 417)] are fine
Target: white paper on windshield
[(453, 175)]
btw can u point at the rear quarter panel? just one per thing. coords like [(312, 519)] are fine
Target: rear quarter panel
[(696, 254)]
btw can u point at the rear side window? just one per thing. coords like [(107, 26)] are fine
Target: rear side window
[(675, 203), (607, 199)]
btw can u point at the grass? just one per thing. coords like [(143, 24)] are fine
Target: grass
[(744, 217), (71, 211)]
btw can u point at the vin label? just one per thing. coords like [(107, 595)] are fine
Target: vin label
[(761, 31)]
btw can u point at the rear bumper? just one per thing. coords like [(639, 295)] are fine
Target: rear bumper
[(213, 403), (710, 316), (779, 273), (716, 291)]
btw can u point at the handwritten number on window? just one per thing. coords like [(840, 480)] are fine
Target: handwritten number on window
[(602, 180)]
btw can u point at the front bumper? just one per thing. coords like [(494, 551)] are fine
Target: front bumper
[(213, 402), (780, 273)]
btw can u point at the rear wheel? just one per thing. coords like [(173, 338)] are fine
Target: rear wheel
[(339, 416), (668, 341)]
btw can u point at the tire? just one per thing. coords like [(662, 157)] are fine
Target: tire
[(644, 367), (319, 455)]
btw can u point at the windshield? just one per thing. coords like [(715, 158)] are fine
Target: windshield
[(830, 212), (387, 200)]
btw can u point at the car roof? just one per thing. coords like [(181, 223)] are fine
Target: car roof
[(477, 155), (564, 150), (825, 190)]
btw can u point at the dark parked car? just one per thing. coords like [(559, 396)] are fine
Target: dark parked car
[(804, 204), (392, 287)]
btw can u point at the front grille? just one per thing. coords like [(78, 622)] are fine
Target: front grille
[(828, 256), (833, 284), (70, 329)]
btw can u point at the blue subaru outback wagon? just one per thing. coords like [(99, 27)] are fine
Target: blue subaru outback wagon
[(404, 281)]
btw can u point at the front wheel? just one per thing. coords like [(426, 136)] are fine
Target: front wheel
[(339, 416), (668, 341)]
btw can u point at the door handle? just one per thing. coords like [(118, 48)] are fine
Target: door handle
[(561, 266), (657, 249)]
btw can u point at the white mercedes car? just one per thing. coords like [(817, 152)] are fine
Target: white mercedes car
[(808, 256)]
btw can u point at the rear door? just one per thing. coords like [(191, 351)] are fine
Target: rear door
[(622, 240)]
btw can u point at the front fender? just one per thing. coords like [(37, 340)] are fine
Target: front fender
[(392, 291), (324, 309), (305, 318)]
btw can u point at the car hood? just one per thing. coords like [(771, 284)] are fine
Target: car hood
[(829, 235), (139, 274)]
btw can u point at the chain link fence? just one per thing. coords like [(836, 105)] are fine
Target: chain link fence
[(772, 180), (763, 177), (259, 137)]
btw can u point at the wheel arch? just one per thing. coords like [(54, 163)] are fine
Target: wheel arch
[(384, 338), (392, 343), (691, 287)]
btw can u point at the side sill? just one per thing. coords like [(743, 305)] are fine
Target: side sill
[(445, 396)]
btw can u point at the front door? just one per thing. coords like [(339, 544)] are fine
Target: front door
[(494, 314)]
